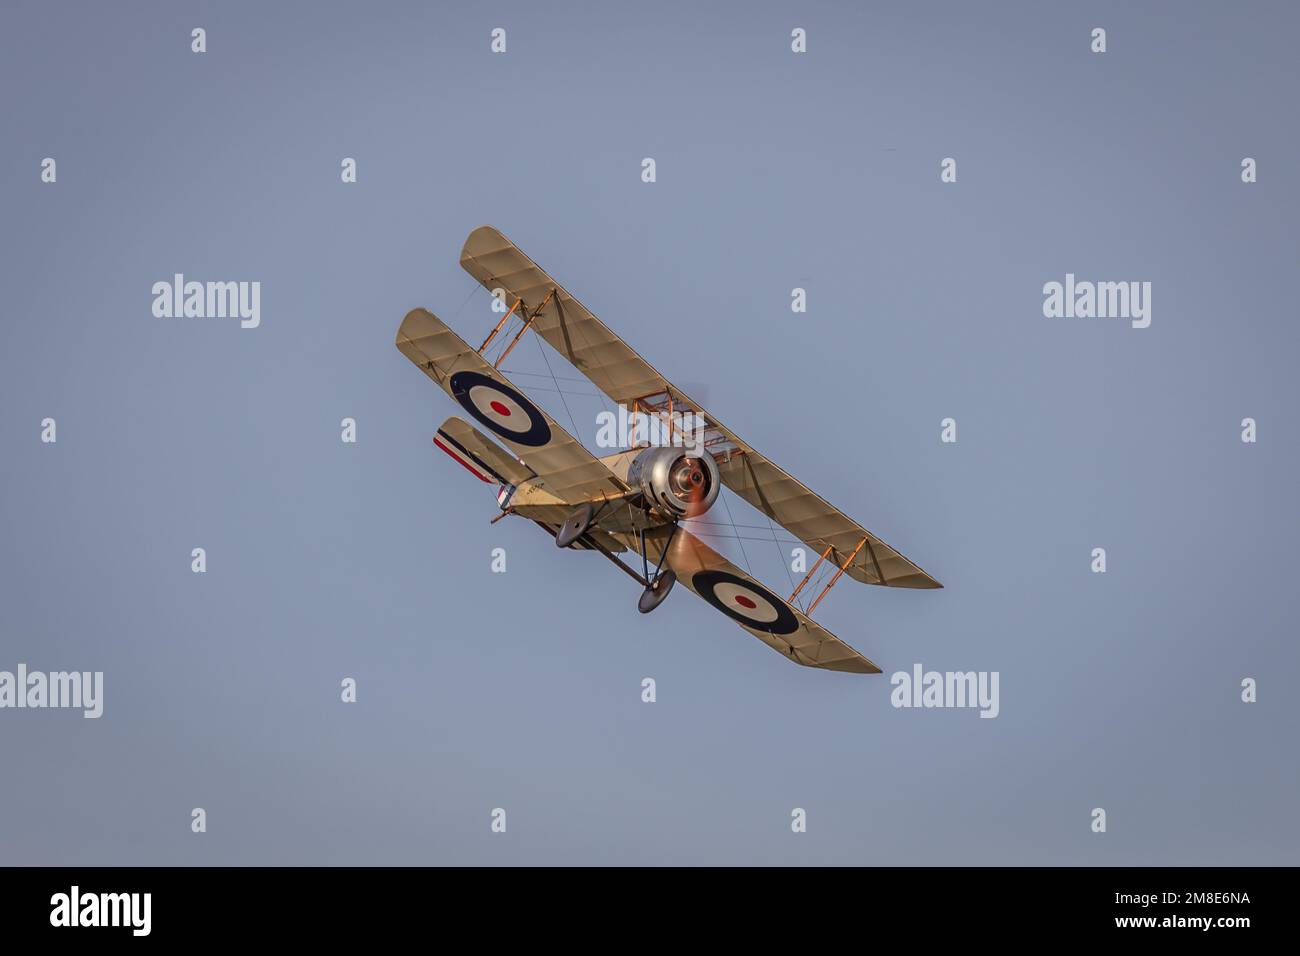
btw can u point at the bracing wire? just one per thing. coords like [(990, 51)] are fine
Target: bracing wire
[(781, 555), (546, 358), (743, 554)]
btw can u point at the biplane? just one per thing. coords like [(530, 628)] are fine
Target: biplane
[(639, 499)]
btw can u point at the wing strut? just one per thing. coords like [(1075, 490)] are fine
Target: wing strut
[(843, 567), (515, 340), (504, 319), (813, 570), (663, 553)]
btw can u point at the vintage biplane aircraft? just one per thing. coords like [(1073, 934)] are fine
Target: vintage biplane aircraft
[(635, 500)]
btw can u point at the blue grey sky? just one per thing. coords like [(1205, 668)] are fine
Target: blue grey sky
[(774, 170)]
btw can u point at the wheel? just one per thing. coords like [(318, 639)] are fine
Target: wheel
[(654, 595), (574, 527)]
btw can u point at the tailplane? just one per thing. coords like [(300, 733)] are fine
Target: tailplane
[(482, 457)]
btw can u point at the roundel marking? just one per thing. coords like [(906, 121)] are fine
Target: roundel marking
[(500, 408), (746, 602)]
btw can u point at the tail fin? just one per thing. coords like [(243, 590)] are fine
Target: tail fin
[(484, 458)]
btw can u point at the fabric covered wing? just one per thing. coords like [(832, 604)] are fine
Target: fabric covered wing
[(569, 471), (565, 323), (628, 379), (808, 517), (756, 608)]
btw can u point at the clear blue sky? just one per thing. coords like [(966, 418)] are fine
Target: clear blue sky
[(522, 690)]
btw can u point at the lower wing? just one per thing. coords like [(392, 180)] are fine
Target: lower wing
[(766, 615)]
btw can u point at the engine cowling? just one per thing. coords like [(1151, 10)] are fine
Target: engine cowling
[(680, 482)]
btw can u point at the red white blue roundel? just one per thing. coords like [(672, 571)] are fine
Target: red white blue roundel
[(500, 408), (746, 602)]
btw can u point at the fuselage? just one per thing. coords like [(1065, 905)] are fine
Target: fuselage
[(665, 485)]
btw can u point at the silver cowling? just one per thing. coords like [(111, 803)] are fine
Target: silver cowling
[(680, 482)]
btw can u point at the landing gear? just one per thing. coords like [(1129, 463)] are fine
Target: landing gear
[(654, 595), (575, 526), (658, 586)]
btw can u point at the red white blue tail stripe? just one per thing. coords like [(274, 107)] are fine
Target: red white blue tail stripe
[(479, 468)]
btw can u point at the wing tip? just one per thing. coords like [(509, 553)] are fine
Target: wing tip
[(856, 664), (413, 318), (483, 231), (853, 665), (915, 582)]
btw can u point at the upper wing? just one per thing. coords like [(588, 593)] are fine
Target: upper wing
[(569, 471), (816, 523), (628, 379), (772, 620)]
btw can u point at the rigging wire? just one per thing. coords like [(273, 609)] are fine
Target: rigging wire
[(781, 554), (586, 344), (733, 537), (456, 314), (742, 543), (561, 391), (545, 358), (562, 378)]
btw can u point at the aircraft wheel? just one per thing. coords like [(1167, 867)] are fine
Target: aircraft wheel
[(575, 526), (654, 595)]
